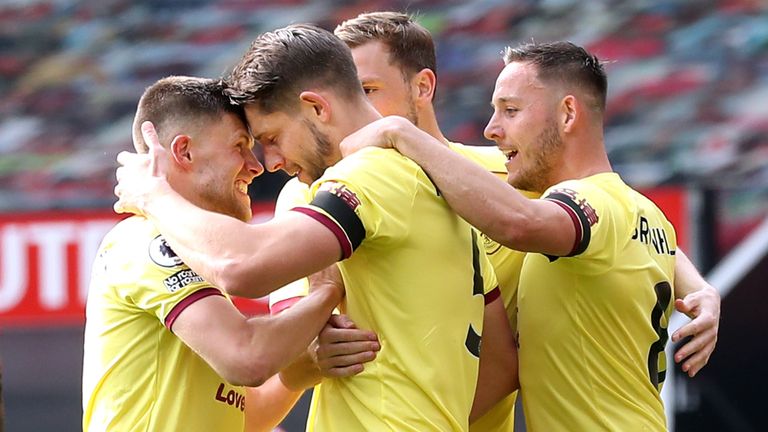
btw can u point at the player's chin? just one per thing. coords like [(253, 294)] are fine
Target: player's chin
[(247, 213), (242, 210), (307, 178)]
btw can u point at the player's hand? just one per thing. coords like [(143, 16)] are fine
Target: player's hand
[(141, 175), (328, 279), (381, 133), (703, 307), (341, 348)]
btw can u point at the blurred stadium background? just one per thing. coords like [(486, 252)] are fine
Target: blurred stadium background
[(687, 124)]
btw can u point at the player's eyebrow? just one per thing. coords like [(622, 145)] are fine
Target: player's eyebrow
[(257, 137), (368, 78), (502, 100)]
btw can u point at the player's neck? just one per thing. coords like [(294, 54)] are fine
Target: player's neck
[(581, 160), (429, 125), (427, 121), (360, 116)]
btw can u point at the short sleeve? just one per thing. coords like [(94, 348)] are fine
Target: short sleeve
[(365, 196), (158, 282), (593, 215)]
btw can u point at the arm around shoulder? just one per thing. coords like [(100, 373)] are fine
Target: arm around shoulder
[(249, 351), (250, 260), (481, 198)]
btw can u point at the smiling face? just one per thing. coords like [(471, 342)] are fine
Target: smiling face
[(222, 167), (524, 127), (292, 143), (384, 82)]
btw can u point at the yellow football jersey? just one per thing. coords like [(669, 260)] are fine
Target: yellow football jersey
[(417, 278), (592, 325), (505, 262), (137, 375)]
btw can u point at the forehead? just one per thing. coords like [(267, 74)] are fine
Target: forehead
[(229, 121), (219, 130), (372, 59), (516, 80), (261, 123)]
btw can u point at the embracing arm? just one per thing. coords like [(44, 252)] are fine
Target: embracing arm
[(701, 302), (482, 199), (267, 405), (249, 351), (248, 260)]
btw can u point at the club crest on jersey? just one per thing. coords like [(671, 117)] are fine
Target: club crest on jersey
[(341, 191), (586, 208), (490, 245), (161, 253)]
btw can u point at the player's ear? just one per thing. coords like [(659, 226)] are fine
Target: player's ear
[(423, 84), (315, 105), (181, 150), (569, 110)]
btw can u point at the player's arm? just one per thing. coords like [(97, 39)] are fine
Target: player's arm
[(498, 375), (247, 351), (243, 259), (267, 405), (701, 302), (482, 199)]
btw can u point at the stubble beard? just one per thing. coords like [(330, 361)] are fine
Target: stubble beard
[(321, 153), (220, 201), (536, 176)]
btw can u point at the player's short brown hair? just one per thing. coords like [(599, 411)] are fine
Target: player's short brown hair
[(564, 62), (410, 44), (280, 64), (174, 102)]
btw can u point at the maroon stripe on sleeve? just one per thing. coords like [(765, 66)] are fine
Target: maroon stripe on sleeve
[(576, 225), (341, 236), (195, 296), (492, 295)]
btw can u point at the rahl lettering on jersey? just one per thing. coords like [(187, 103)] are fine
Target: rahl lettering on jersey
[(652, 236)]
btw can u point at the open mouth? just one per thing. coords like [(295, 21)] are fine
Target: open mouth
[(242, 186), (510, 154)]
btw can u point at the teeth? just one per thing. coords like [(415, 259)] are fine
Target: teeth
[(242, 186)]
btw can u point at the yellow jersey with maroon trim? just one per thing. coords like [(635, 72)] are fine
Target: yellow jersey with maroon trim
[(418, 278), (294, 193), (137, 375), (593, 325), (506, 264)]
